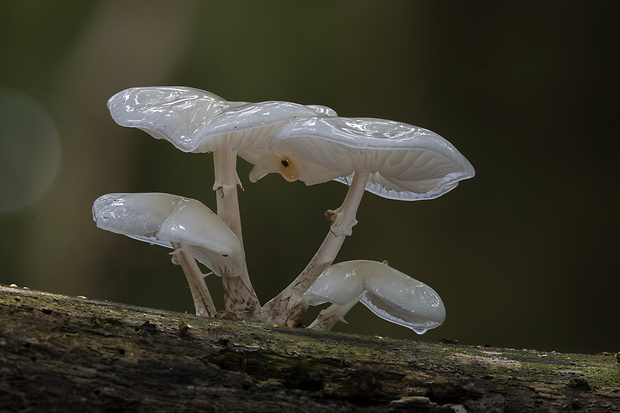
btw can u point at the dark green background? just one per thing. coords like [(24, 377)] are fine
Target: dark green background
[(524, 255)]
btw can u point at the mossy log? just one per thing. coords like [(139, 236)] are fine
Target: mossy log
[(71, 354)]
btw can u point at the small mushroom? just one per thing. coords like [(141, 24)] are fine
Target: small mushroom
[(387, 292), (185, 225), (196, 121), (388, 158)]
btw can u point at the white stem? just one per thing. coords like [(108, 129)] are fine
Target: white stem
[(239, 296), (288, 307), (196, 280), (333, 314)]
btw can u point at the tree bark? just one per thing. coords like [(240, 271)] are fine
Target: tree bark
[(68, 354)]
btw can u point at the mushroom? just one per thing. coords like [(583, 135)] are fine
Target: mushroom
[(198, 121), (388, 158), (186, 225), (387, 292)]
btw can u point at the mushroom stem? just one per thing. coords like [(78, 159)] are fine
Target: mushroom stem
[(333, 314), (239, 295), (196, 280), (346, 215), (288, 307)]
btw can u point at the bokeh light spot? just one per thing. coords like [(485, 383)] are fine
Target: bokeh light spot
[(29, 150)]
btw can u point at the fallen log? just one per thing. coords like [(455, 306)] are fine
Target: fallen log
[(71, 354)]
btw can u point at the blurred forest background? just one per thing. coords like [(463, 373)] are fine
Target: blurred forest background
[(525, 255)]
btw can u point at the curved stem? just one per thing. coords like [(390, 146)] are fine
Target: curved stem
[(239, 295), (288, 307), (196, 280), (331, 315)]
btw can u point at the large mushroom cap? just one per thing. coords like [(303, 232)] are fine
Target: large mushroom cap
[(389, 293), (406, 162), (252, 124), (164, 218), (195, 120)]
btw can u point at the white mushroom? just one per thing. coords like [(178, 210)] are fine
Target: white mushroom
[(185, 225), (387, 292), (391, 159), (198, 121)]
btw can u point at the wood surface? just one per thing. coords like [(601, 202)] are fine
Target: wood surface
[(71, 354)]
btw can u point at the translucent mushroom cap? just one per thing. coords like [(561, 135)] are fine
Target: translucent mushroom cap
[(162, 219), (405, 162), (175, 114), (389, 293), (195, 120)]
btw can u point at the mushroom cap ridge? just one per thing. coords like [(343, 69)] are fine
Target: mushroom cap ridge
[(406, 162)]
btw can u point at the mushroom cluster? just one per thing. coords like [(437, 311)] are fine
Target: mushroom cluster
[(310, 143)]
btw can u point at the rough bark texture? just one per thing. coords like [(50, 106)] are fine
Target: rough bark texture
[(69, 354)]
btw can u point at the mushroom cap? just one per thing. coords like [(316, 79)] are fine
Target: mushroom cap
[(338, 284), (389, 293), (406, 162), (249, 126), (174, 113), (162, 219), (400, 299), (195, 120)]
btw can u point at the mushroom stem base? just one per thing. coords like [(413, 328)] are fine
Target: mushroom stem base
[(288, 306), (333, 314)]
